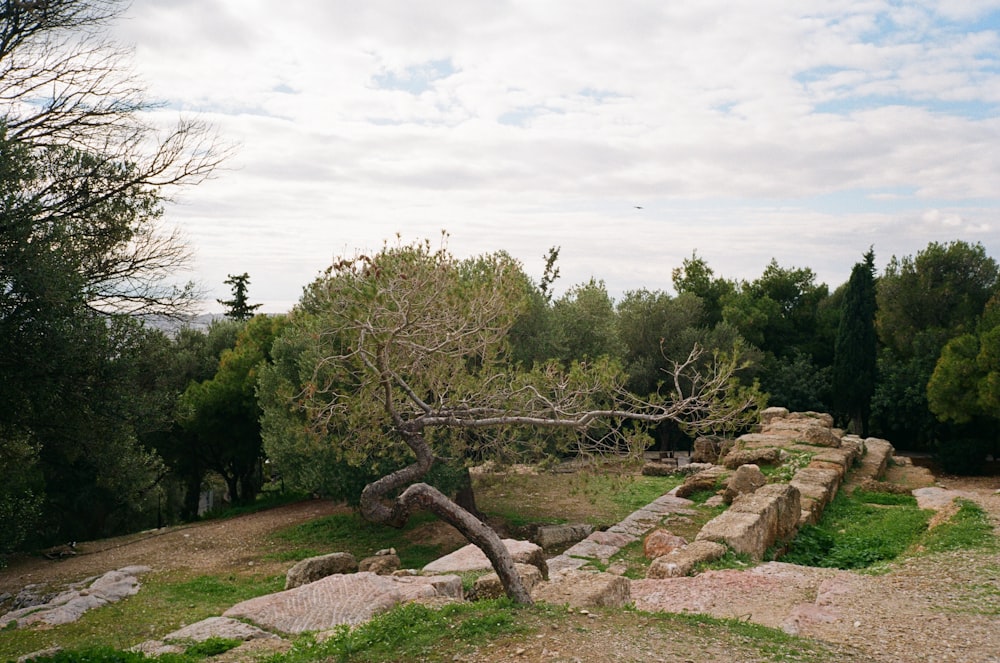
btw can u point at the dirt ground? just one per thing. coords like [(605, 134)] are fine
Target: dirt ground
[(929, 608)]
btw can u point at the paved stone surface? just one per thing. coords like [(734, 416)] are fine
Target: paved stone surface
[(340, 599)]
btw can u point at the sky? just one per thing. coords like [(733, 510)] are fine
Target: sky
[(630, 134)]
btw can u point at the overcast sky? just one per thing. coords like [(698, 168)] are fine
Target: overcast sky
[(629, 133)]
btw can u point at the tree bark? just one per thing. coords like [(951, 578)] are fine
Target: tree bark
[(465, 496), (423, 496)]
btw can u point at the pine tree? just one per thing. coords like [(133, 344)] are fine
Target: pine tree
[(239, 308)]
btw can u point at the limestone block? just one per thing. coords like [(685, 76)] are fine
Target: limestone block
[(314, 568), (659, 542), (746, 479), (490, 587), (762, 456), (773, 413), (471, 558), (681, 562), (550, 536), (581, 589), (756, 521), (818, 483)]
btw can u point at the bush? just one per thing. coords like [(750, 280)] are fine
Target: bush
[(964, 456)]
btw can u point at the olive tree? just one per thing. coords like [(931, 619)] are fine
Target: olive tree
[(407, 350)]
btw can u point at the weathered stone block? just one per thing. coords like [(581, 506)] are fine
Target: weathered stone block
[(314, 568), (659, 542), (550, 536), (681, 562), (747, 479), (581, 589), (490, 587), (471, 558), (764, 456), (756, 521)]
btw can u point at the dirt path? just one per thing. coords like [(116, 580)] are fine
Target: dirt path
[(209, 547)]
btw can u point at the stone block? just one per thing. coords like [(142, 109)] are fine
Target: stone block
[(746, 479), (550, 536), (659, 542), (681, 562), (471, 558), (490, 587), (756, 521), (315, 568), (581, 589)]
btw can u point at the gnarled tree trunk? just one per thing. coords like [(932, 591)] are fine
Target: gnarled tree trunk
[(424, 496)]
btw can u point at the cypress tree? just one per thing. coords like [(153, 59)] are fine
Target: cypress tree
[(854, 361)]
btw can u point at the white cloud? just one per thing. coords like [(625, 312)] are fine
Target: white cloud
[(521, 125)]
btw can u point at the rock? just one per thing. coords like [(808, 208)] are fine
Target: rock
[(756, 521), (580, 589), (747, 479), (710, 448), (694, 468), (681, 562), (550, 536), (314, 568), (704, 480), (490, 587), (213, 627), (340, 599), (471, 558), (383, 565), (69, 605), (772, 413), (656, 468), (659, 542), (764, 456)]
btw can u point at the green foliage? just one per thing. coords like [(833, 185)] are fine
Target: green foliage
[(855, 533), (969, 529), (586, 323), (964, 455), (239, 308), (796, 382), (212, 647), (940, 293), (221, 414), (413, 632), (855, 351)]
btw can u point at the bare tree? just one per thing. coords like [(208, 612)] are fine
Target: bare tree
[(101, 172), (409, 348)]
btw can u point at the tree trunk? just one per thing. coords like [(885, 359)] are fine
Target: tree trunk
[(423, 496), (465, 496)]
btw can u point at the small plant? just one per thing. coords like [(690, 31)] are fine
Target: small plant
[(969, 528), (212, 647)]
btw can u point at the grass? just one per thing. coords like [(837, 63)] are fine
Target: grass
[(483, 629), (969, 528), (860, 530), (167, 602), (587, 496), (350, 533)]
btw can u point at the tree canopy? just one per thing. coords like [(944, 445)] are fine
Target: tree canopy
[(408, 351)]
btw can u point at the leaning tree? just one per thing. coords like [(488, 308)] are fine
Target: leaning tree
[(407, 350)]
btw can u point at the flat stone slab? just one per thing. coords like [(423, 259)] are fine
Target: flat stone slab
[(471, 558), (581, 589), (69, 606), (340, 599)]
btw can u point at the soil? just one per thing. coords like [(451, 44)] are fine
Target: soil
[(941, 607)]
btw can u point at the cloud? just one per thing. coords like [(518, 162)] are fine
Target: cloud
[(746, 131)]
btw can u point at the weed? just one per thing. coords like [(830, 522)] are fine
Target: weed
[(856, 534), (969, 528)]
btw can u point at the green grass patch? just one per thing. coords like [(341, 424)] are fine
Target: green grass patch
[(969, 528), (584, 496), (414, 632), (349, 532), (856, 534), (166, 603)]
